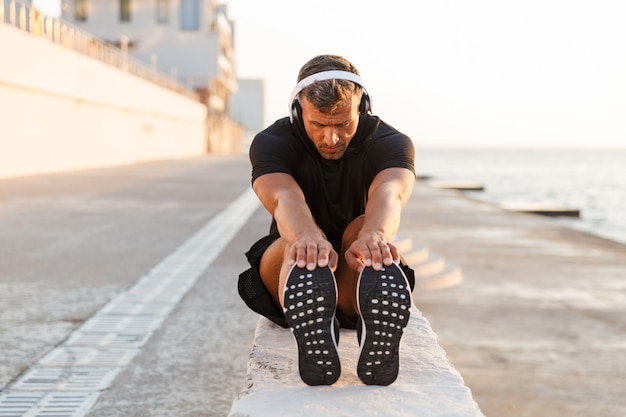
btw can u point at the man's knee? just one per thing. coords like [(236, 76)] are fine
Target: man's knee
[(272, 258), (352, 232)]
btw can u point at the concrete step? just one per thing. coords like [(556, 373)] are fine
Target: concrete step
[(432, 265), (432, 271), (416, 256), (427, 384), (450, 276), (403, 244)]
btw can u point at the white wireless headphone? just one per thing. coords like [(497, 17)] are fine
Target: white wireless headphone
[(366, 102)]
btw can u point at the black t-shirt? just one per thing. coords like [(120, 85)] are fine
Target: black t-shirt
[(335, 190)]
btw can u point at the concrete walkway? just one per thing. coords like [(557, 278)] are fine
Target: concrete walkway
[(536, 326), (71, 243)]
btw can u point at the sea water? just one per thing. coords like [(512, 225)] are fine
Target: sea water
[(590, 180)]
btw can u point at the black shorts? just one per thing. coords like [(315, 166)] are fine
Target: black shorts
[(258, 298)]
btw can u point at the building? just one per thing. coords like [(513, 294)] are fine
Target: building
[(192, 40), (247, 107)]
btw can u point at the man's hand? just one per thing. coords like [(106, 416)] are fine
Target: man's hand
[(371, 249), (312, 251)]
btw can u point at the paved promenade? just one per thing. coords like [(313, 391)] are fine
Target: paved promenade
[(536, 327)]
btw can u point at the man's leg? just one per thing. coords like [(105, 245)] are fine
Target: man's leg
[(273, 271), (309, 299), (382, 299)]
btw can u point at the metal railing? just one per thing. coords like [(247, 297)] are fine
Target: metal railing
[(27, 18)]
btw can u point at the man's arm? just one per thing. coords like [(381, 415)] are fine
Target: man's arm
[(283, 199), (387, 195)]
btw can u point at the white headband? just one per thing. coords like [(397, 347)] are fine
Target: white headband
[(324, 75)]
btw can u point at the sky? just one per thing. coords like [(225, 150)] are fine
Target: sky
[(454, 72)]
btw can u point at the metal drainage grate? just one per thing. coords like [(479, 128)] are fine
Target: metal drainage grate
[(108, 340), (138, 309), (88, 356), (103, 323), (37, 404), (66, 379), (177, 267), (164, 298), (152, 286)]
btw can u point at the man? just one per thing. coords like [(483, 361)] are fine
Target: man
[(335, 179)]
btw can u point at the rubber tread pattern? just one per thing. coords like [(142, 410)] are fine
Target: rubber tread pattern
[(384, 300), (310, 304)]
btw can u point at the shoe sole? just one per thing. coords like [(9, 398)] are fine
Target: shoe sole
[(384, 302), (310, 304)]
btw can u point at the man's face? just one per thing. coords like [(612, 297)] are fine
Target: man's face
[(331, 133)]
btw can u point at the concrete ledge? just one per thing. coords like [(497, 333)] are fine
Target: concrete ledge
[(427, 385)]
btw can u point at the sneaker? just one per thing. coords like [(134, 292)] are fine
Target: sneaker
[(310, 304), (384, 302)]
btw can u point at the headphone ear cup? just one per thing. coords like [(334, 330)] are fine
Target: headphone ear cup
[(296, 110), (365, 106)]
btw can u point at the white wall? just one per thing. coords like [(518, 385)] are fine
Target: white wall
[(61, 111)]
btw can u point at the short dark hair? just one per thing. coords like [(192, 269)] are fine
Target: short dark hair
[(327, 95)]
